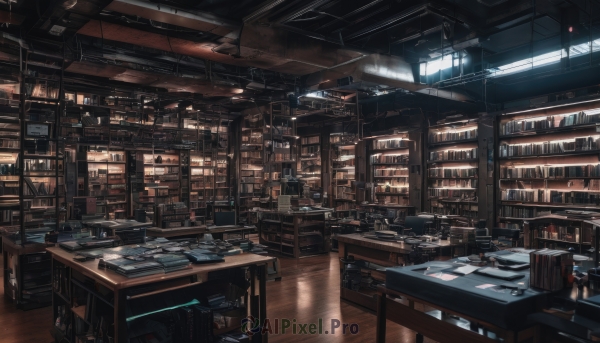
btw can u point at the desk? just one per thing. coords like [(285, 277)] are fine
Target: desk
[(176, 231), (486, 310), (111, 227), (125, 291), (220, 231), (295, 233), (386, 254), (199, 231), (16, 263), (440, 324)]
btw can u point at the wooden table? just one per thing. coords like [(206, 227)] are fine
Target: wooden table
[(199, 231), (220, 231), (289, 233), (128, 289), (440, 324), (176, 231), (14, 293), (387, 254)]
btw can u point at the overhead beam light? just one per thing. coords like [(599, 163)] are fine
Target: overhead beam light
[(440, 63), (315, 95), (529, 63)]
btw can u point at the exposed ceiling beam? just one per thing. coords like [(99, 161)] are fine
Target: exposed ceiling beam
[(348, 15), (196, 20), (307, 7), (386, 22), (264, 8)]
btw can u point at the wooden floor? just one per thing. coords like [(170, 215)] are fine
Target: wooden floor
[(308, 291)]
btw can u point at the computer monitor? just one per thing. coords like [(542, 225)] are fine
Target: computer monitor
[(417, 224), (225, 218)]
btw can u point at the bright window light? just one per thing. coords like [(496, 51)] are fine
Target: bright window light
[(584, 48), (438, 64), (529, 63)]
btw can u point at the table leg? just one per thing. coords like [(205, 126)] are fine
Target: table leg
[(263, 298), (381, 317)]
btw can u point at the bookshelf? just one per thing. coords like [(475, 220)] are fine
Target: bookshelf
[(388, 161), (31, 167), (102, 171), (280, 152), (548, 164), (309, 165), (343, 171), (453, 170), (252, 175), (157, 179)]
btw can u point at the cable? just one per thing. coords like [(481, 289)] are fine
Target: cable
[(102, 34)]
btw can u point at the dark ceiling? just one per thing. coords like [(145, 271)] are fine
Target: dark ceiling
[(247, 53)]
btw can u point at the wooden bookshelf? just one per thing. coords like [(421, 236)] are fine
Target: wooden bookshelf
[(343, 171), (388, 164), (548, 163), (452, 169)]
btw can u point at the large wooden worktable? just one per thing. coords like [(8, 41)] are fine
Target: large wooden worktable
[(195, 275), (387, 254), (199, 231)]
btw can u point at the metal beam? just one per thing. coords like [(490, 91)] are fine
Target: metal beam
[(301, 11), (196, 20), (417, 35), (264, 8), (346, 16), (389, 21)]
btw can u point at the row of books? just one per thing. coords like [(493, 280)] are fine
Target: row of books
[(390, 172), (517, 212), (394, 159), (548, 172), (520, 125), (512, 226), (277, 144), (561, 233), (550, 196), (578, 144), (452, 136), (450, 183), (311, 140), (252, 179), (457, 211), (309, 150), (344, 175), (390, 144), (395, 182), (392, 200), (344, 192), (453, 155), (249, 188), (550, 269), (451, 193), (453, 172), (388, 189)]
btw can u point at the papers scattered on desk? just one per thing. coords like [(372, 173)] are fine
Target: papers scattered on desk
[(465, 270), (443, 276), (485, 286)]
